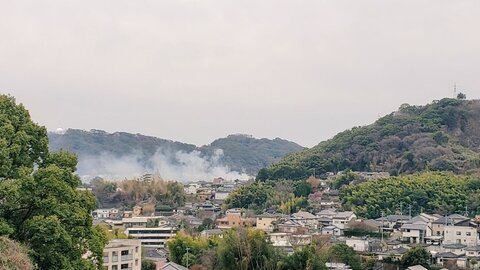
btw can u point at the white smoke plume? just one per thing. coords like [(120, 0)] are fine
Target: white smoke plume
[(178, 166)]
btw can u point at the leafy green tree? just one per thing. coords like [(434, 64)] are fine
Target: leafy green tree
[(461, 96), (345, 254), (23, 144), (179, 244), (262, 175), (306, 258), (416, 256), (40, 204), (148, 265), (254, 194), (302, 189), (175, 194), (246, 249)]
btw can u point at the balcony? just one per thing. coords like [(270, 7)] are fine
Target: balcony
[(114, 258), (128, 257)]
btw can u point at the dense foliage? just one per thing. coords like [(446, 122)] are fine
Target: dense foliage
[(128, 193), (241, 153), (416, 256), (248, 249), (40, 205), (441, 136), (441, 193), (283, 196)]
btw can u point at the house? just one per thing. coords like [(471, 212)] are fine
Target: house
[(332, 230), (416, 267), (458, 249), (327, 213), (234, 218), (438, 226), (290, 226), (415, 232), (393, 222), (266, 222), (463, 232), (472, 252), (446, 258), (280, 239), (212, 232), (221, 195), (418, 228), (396, 254), (122, 254), (357, 244), (191, 188), (173, 266), (364, 245), (341, 219), (101, 213), (306, 219)]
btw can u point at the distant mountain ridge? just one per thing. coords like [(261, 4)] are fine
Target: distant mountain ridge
[(241, 153), (441, 136)]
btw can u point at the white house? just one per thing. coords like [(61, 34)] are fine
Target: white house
[(341, 219)]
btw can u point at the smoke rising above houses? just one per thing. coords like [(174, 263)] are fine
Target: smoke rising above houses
[(171, 165)]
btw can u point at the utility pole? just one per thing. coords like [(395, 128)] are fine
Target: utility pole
[(401, 210), (410, 211), (466, 210), (188, 262), (382, 228)]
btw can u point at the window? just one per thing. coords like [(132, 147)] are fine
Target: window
[(469, 233), (114, 267), (136, 249), (459, 233), (124, 266)]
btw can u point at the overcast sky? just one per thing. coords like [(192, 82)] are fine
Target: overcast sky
[(194, 71)]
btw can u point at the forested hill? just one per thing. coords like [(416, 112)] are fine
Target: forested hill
[(441, 136), (241, 153)]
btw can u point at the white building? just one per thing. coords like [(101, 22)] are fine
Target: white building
[(341, 219), (457, 234), (101, 213), (122, 254), (191, 188), (221, 195), (152, 237)]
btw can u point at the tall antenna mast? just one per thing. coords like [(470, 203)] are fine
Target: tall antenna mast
[(454, 89)]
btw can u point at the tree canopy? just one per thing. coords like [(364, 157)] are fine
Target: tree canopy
[(441, 136), (441, 193), (41, 206)]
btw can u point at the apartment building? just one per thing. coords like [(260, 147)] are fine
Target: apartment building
[(152, 237), (122, 254)]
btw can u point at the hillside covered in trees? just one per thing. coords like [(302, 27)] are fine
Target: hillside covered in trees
[(441, 136), (241, 153), (431, 192)]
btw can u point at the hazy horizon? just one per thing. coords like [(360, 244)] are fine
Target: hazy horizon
[(195, 71)]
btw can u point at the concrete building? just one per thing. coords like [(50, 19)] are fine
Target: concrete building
[(265, 222), (461, 233), (233, 218), (152, 237), (122, 254), (341, 219)]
